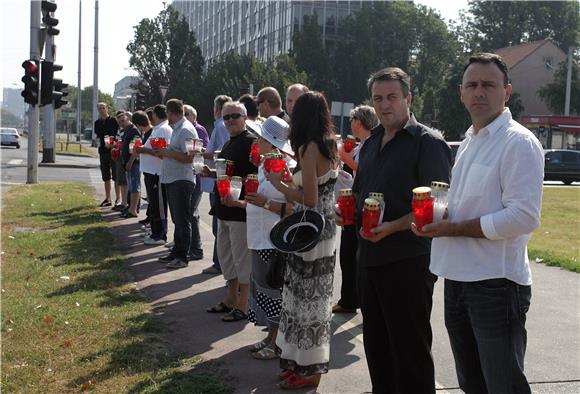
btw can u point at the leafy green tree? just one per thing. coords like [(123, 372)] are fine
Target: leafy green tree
[(165, 52), (554, 93), (491, 25)]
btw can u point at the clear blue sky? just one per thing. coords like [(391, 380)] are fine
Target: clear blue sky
[(116, 21)]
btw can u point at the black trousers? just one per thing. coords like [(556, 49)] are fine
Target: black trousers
[(396, 301), (348, 249), (154, 205)]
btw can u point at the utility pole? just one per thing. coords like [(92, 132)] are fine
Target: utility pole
[(49, 118), (79, 92), (33, 110), (96, 73), (568, 82)]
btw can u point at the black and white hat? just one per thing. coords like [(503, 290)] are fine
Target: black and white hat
[(298, 232), (274, 130)]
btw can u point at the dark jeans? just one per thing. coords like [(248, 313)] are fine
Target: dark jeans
[(179, 198), (348, 249), (154, 208), (396, 301), (214, 230), (195, 248), (486, 325)]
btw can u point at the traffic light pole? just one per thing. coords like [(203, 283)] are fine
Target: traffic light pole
[(49, 118), (33, 110)]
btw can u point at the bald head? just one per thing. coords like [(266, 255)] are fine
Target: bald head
[(292, 94)]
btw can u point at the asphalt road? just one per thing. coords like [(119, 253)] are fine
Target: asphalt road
[(553, 356)]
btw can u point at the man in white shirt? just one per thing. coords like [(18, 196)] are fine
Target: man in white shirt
[(481, 248)]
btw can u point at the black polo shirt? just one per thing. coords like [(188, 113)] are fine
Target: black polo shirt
[(238, 150), (103, 127), (414, 157), (131, 133)]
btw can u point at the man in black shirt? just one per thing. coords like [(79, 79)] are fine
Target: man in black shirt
[(106, 125), (394, 281)]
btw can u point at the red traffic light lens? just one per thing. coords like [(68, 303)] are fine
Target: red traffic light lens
[(30, 66)]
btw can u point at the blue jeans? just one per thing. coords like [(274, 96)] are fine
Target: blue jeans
[(486, 325), (214, 230), (179, 198), (134, 179), (195, 248)]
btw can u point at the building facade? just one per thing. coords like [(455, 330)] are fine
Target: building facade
[(13, 103), (263, 28), (125, 88)]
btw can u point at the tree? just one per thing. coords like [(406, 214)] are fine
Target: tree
[(86, 104), (165, 52), (491, 25), (554, 93)]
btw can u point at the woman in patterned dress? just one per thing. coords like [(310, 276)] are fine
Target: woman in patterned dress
[(304, 331)]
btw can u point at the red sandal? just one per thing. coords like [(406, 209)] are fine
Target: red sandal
[(297, 382), (285, 374)]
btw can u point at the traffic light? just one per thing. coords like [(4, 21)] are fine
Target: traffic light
[(49, 21), (30, 79), (60, 91), (49, 86), (140, 103)]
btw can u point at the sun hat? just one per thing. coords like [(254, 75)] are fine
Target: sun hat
[(274, 130), (298, 232)]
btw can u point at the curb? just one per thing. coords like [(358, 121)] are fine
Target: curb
[(58, 165)]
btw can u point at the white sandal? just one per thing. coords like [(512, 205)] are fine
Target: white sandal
[(256, 347)]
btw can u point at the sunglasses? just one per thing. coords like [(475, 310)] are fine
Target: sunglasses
[(232, 116)]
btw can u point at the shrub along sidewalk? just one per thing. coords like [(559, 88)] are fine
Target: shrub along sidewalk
[(557, 241), (71, 317)]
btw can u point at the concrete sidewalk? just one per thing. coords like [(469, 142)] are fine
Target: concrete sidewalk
[(181, 296)]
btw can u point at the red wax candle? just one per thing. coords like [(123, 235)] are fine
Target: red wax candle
[(349, 143), (346, 204), (230, 168), (223, 186), (255, 156), (277, 163), (114, 154), (252, 183), (371, 214), (118, 144), (268, 162), (422, 205), (162, 143), (111, 140)]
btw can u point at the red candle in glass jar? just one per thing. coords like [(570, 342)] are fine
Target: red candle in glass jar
[(114, 154), (349, 143), (223, 185), (230, 168), (346, 204), (155, 142), (118, 144), (252, 183), (371, 214), (422, 205), (277, 163), (111, 139), (162, 143), (268, 162), (255, 156)]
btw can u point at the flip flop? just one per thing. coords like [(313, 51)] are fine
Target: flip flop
[(234, 315), (256, 347), (285, 374), (267, 353), (219, 308), (297, 382)]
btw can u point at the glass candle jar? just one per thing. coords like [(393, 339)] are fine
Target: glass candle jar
[(114, 154), (268, 162), (371, 213), (255, 156), (349, 143), (197, 145), (252, 183), (118, 144), (439, 191), (346, 204), (137, 143), (230, 165), (422, 206), (381, 199), (189, 144), (216, 154), (162, 142), (235, 187), (277, 163), (198, 163), (220, 167), (223, 185)]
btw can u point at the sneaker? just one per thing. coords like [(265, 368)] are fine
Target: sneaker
[(152, 241), (176, 263), (166, 259), (170, 244), (211, 271), (194, 257)]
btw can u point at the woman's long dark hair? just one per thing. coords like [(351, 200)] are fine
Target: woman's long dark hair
[(311, 122)]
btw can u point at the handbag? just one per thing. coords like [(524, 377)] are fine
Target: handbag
[(277, 264)]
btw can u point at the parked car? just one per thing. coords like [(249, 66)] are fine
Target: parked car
[(562, 165), (9, 136)]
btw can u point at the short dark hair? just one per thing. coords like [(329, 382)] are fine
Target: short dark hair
[(220, 100), (250, 103), (175, 106), (140, 119), (149, 112), (270, 95), (488, 58), (391, 74), (119, 113), (160, 111)]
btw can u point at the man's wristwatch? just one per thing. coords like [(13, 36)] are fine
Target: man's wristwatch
[(266, 205)]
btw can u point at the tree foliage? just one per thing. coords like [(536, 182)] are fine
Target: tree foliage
[(554, 93), (165, 52)]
